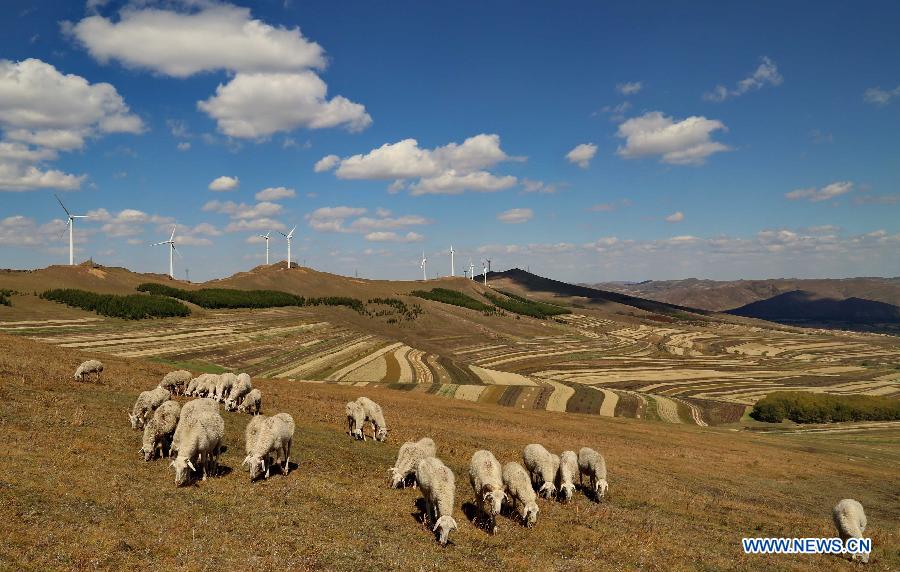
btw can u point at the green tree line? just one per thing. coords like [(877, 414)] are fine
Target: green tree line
[(130, 307), (806, 407)]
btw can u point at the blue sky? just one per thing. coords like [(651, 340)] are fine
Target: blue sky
[(588, 141)]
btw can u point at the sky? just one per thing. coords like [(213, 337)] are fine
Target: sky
[(585, 141)]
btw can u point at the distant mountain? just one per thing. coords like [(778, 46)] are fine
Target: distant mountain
[(724, 295), (809, 307)]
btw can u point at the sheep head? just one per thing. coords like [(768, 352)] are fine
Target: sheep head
[(601, 488), (257, 466), (531, 514), (397, 478), (136, 421), (182, 465), (547, 490), (495, 499), (443, 527), (567, 491), (381, 434)]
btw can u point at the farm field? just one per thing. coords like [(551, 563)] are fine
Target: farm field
[(79, 496)]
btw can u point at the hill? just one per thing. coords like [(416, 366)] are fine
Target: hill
[(799, 306)]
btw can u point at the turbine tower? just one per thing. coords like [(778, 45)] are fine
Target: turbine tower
[(266, 237), (484, 270), (290, 237), (71, 224), (452, 265), (422, 264), (172, 251), (471, 269)]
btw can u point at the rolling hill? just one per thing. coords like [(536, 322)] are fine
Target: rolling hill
[(799, 306)]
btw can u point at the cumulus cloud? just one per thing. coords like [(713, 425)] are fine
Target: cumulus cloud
[(629, 88), (184, 146), (765, 74), (126, 222), (450, 169), (531, 186), (256, 224), (582, 154), (20, 230), (516, 216), (881, 97), (615, 112), (676, 216), (275, 193), (273, 88), (827, 192), (334, 219), (242, 210), (224, 183), (382, 236), (685, 142)]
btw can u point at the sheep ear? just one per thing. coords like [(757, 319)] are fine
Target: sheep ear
[(191, 465), (435, 527), (246, 460)]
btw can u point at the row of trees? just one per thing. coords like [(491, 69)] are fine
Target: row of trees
[(130, 307), (806, 407), (216, 298), (455, 298), (524, 306)]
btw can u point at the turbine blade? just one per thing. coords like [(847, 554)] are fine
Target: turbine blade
[(158, 243), (173, 232), (177, 252), (62, 205)]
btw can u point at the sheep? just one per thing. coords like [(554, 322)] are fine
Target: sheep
[(201, 441), (375, 416), (146, 404), (242, 386), (192, 386), (408, 459), (160, 429), (356, 418), (176, 381), (850, 521), (223, 386), (251, 402), (542, 467), (592, 464), (487, 484), (271, 444), (202, 385), (565, 476), (520, 492), (89, 368), (188, 411), (438, 486)]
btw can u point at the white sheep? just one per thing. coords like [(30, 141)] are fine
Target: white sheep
[(850, 521), (408, 459), (176, 381), (146, 404), (223, 386), (242, 386), (485, 476), (251, 402), (89, 368), (272, 444), (356, 419), (375, 416), (542, 467), (188, 411), (592, 464), (520, 494), (201, 441), (565, 476), (202, 385), (160, 429), (438, 486)]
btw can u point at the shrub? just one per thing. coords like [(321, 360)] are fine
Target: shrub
[(526, 307), (4, 297), (805, 407), (455, 298), (406, 313), (215, 298), (131, 307)]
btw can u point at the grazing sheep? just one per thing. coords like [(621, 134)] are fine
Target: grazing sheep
[(192, 386), (239, 390), (160, 429), (542, 467), (251, 431), (520, 492), (188, 411), (850, 521), (272, 444), (223, 386), (201, 441), (408, 459), (592, 464), (486, 478), (375, 416), (565, 476), (251, 402), (176, 381), (89, 368), (146, 404), (438, 487), (356, 418), (202, 385)]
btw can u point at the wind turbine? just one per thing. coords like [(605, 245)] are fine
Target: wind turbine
[(266, 236), (422, 264), (289, 236), (484, 270), (71, 225), (172, 251), (452, 265), (471, 269)]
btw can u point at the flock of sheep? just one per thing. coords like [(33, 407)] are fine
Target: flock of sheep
[(194, 433)]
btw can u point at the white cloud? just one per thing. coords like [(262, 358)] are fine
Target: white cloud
[(224, 183), (184, 146), (676, 216), (334, 219), (685, 142), (20, 230), (765, 74), (254, 105), (516, 216), (243, 211), (275, 194), (257, 224), (382, 236), (364, 224), (629, 88), (878, 96), (450, 169), (15, 176), (615, 112), (582, 154), (326, 163), (530, 186), (825, 193)]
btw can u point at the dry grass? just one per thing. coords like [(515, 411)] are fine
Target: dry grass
[(77, 496)]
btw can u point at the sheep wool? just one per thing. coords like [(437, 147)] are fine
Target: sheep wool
[(251, 403), (188, 411), (356, 419), (88, 369), (485, 476), (565, 476), (201, 442), (592, 464), (272, 444), (146, 404), (176, 381), (438, 486), (850, 521), (375, 416), (408, 458), (160, 429), (520, 494), (542, 468)]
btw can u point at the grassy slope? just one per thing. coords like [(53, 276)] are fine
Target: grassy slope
[(76, 494)]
